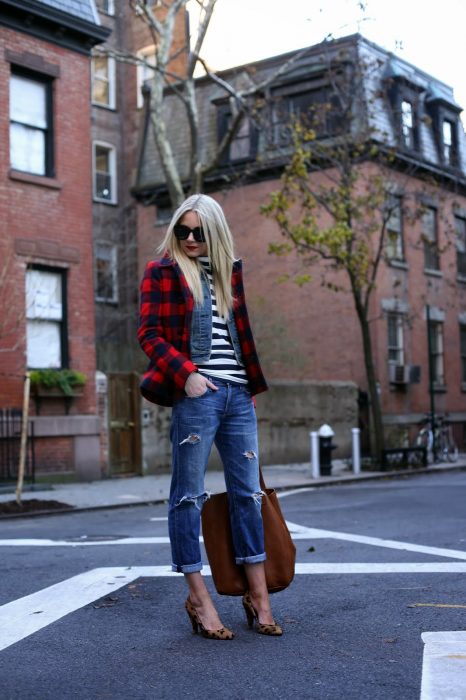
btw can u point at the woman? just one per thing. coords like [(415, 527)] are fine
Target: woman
[(194, 328)]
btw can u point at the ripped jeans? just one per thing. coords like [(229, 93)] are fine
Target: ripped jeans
[(227, 418)]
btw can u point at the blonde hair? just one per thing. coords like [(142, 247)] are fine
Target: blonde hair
[(219, 249)]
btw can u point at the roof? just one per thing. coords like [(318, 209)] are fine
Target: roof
[(84, 9), (74, 24), (301, 74)]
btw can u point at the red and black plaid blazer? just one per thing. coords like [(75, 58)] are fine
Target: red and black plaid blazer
[(165, 326)]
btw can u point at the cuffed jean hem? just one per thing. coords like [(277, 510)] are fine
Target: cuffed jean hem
[(187, 568), (256, 559)]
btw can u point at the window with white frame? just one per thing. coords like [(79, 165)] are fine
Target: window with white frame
[(144, 71), (107, 6), (394, 228), (103, 81), (407, 123), (448, 142), (460, 225), (396, 353), (437, 352), (45, 318), (430, 239), (31, 133), (104, 165), (106, 283)]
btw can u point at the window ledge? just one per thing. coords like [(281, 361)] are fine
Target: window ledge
[(461, 279), (108, 202), (440, 388), (109, 108), (463, 386), (110, 302), (31, 179), (400, 264), (433, 273)]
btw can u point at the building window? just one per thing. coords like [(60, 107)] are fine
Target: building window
[(106, 288), (448, 140), (103, 81), (463, 352), (430, 239), (396, 352), (243, 146), (436, 352), (407, 123), (144, 71), (31, 133), (318, 108), (104, 164), (460, 225), (46, 338), (394, 228), (107, 6)]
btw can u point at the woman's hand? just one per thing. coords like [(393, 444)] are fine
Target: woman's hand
[(196, 385)]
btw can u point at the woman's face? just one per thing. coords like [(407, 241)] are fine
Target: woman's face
[(189, 246)]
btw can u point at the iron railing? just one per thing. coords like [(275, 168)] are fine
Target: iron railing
[(10, 440)]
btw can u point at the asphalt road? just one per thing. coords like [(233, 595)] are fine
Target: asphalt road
[(347, 635)]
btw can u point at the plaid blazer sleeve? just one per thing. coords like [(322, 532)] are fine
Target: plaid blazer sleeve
[(162, 313)]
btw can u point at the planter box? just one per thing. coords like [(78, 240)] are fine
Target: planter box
[(41, 393)]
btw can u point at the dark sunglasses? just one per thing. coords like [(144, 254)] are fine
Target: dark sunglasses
[(182, 232)]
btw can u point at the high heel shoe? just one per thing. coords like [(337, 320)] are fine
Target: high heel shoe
[(252, 615), (222, 633)]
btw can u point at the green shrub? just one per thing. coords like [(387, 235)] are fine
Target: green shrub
[(64, 379)]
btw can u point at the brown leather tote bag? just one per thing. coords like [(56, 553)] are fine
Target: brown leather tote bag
[(229, 578)]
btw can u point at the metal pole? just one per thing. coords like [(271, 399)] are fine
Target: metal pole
[(24, 434), (431, 381), (315, 461), (356, 451)]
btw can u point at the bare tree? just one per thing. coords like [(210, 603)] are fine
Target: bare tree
[(161, 18), (337, 204)]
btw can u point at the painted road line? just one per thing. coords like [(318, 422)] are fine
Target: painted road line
[(298, 532), (23, 617), (27, 615), (82, 542), (453, 567), (315, 533), (284, 494), (444, 666)]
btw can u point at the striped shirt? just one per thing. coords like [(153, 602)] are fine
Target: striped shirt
[(222, 362)]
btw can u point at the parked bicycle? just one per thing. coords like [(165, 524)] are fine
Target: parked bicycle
[(437, 439)]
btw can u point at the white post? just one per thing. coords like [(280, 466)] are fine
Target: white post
[(315, 462), (356, 451)]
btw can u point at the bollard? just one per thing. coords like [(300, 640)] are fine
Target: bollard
[(356, 450), (315, 463)]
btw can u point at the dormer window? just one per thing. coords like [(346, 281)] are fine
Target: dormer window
[(448, 145), (407, 123), (243, 146), (445, 118)]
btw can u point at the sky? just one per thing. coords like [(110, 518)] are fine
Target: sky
[(431, 35)]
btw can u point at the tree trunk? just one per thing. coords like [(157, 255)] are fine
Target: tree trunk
[(374, 398)]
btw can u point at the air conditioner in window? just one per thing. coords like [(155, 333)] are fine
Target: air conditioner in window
[(398, 374)]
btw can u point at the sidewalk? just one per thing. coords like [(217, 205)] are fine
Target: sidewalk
[(136, 490)]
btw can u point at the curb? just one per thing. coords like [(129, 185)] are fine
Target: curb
[(324, 482)]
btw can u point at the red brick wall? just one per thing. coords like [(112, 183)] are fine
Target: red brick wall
[(55, 219), (313, 333), (53, 455)]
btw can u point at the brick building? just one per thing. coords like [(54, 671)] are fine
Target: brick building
[(120, 69), (312, 333), (46, 255)]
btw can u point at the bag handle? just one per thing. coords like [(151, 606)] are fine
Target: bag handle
[(261, 480)]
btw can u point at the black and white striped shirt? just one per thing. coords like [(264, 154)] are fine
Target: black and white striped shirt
[(222, 362)]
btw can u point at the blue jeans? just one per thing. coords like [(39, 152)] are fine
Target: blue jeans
[(226, 417)]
